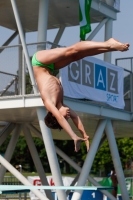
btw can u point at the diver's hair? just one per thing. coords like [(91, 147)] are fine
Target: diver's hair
[(51, 121)]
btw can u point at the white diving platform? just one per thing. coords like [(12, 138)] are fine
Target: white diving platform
[(24, 114), (22, 109)]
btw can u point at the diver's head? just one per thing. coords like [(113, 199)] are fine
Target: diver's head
[(51, 121)]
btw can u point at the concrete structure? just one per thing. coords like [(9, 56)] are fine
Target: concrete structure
[(24, 113)]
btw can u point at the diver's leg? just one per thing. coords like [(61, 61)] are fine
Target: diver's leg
[(63, 56)]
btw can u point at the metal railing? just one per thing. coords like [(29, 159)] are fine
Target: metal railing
[(113, 3), (14, 76), (15, 79), (110, 2), (127, 65), (12, 180), (10, 88)]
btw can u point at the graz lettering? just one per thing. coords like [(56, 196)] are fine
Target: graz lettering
[(93, 75)]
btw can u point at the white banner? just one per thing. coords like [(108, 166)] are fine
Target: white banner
[(94, 79), (35, 180)]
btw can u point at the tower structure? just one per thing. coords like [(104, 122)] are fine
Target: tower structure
[(25, 112)]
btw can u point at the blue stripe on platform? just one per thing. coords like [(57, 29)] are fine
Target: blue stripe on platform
[(30, 187)]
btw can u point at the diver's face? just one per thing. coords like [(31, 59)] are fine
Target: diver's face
[(65, 111)]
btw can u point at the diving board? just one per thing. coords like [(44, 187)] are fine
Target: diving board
[(30, 187)]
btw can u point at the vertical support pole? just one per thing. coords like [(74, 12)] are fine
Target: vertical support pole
[(19, 67), (116, 160), (36, 160), (21, 70), (108, 35), (89, 158), (21, 34), (50, 149), (41, 112), (131, 86), (16, 86), (10, 150), (23, 74), (42, 22)]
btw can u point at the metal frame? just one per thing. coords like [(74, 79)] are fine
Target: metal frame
[(46, 133), (131, 79), (90, 158), (95, 31), (20, 177), (34, 101), (6, 131), (9, 40), (10, 150), (36, 159), (23, 101), (116, 159), (71, 162), (108, 34), (59, 34)]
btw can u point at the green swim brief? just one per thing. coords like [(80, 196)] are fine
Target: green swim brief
[(35, 62)]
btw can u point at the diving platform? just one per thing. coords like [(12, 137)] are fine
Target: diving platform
[(22, 112), (22, 109), (60, 13)]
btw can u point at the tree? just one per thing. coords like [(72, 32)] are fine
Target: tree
[(125, 146), (28, 83), (103, 159)]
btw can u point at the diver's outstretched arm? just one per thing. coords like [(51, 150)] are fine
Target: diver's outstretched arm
[(64, 124)]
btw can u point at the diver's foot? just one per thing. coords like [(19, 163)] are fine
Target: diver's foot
[(115, 45)]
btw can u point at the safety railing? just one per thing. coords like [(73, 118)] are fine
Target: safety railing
[(15, 79), (127, 65), (9, 84), (14, 76), (113, 3), (108, 2), (12, 180)]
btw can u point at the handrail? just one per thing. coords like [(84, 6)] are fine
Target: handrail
[(8, 86), (127, 93), (8, 73), (19, 45)]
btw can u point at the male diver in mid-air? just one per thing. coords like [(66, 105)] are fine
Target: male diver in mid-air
[(51, 91)]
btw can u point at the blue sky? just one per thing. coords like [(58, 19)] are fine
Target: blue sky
[(122, 31)]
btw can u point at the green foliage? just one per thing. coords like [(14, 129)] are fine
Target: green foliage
[(102, 161), (28, 83), (125, 146)]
